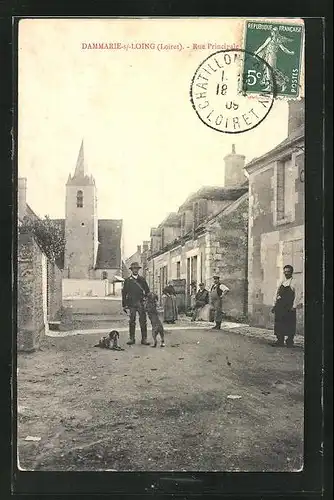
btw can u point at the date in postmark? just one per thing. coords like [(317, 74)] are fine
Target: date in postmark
[(217, 97), (280, 46)]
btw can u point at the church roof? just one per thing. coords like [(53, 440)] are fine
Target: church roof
[(80, 166), (109, 249)]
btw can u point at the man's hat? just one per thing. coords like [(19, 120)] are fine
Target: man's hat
[(215, 277), (135, 265)]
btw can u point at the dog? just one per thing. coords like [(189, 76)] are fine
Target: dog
[(157, 326), (110, 342)]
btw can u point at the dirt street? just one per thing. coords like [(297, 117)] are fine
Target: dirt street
[(162, 409)]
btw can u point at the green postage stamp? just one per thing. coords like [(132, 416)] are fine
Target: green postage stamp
[(279, 48)]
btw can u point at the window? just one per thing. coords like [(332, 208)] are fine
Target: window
[(163, 277), (79, 199), (194, 269), (178, 270), (285, 190), (201, 257), (104, 275), (188, 277)]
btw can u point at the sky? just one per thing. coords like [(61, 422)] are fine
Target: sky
[(143, 142)]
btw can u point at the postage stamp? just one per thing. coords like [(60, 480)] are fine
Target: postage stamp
[(215, 92), (280, 47)]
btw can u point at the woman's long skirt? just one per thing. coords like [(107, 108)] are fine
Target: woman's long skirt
[(170, 309)]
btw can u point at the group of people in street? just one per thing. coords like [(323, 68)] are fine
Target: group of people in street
[(135, 289), (214, 298)]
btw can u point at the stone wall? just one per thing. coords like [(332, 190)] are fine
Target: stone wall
[(54, 291), (85, 287), (30, 313), (229, 252)]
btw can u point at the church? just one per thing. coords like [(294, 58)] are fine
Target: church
[(93, 247)]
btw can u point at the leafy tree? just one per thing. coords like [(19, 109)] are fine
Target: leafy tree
[(48, 235)]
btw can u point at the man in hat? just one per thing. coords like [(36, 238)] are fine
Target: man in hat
[(134, 291), (288, 298), (218, 290)]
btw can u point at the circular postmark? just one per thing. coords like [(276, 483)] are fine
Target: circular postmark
[(218, 91)]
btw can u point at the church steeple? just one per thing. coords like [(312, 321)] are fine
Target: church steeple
[(80, 177), (81, 222), (80, 166)]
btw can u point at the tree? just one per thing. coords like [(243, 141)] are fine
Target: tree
[(48, 235)]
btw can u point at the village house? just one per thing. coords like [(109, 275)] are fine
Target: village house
[(140, 256), (276, 219), (39, 281), (92, 263), (206, 236)]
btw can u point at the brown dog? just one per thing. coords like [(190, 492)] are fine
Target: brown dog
[(157, 326), (110, 342)]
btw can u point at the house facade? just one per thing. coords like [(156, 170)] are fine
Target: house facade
[(206, 236), (276, 220), (140, 256)]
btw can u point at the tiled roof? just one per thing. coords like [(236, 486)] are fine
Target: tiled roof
[(109, 249), (30, 213), (200, 229), (155, 231), (216, 193), (286, 143), (172, 220)]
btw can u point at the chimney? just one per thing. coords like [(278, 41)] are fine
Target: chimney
[(234, 174), (146, 246), (138, 249), (155, 239), (22, 197), (296, 115)]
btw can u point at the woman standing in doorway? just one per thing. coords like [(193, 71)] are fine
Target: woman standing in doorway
[(169, 304)]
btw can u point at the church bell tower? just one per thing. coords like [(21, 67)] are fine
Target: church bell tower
[(81, 223)]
